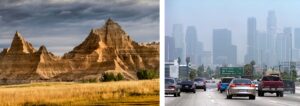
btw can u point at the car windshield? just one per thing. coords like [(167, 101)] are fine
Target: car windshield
[(199, 79), (241, 81), (271, 78), (187, 82), (169, 81), (226, 80)]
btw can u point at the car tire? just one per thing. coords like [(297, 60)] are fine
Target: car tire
[(205, 89), (221, 91), (252, 97), (229, 97), (194, 91), (260, 93), (175, 94), (281, 94), (278, 94)]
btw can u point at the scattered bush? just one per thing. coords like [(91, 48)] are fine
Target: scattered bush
[(112, 77), (147, 74), (119, 77)]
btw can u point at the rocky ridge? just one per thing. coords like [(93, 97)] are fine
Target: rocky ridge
[(106, 49)]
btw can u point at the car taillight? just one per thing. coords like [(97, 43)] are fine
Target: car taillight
[(171, 87), (232, 85), (252, 85)]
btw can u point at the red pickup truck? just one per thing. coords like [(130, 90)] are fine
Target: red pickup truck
[(271, 84)]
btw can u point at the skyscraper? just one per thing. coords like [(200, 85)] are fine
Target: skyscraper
[(297, 38), (193, 46), (251, 41), (179, 41), (223, 50), (169, 49), (261, 48), (271, 34), (284, 45)]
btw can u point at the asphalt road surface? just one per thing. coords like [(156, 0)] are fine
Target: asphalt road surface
[(211, 97)]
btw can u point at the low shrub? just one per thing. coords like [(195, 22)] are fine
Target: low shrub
[(111, 77), (147, 74)]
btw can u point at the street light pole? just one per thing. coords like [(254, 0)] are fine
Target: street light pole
[(291, 58)]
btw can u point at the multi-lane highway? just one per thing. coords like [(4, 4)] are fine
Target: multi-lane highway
[(212, 97)]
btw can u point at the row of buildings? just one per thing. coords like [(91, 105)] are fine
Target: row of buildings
[(270, 47)]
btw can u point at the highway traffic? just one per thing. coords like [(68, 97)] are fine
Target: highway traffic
[(212, 97)]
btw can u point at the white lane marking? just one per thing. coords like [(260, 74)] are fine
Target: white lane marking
[(213, 101)]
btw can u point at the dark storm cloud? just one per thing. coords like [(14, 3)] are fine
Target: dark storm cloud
[(42, 20), (18, 12)]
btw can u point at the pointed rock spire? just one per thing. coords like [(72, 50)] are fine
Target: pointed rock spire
[(19, 45), (43, 49)]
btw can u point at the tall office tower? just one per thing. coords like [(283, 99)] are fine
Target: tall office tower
[(271, 34), (169, 49), (191, 44), (261, 48), (284, 45), (179, 42), (297, 38), (252, 49), (288, 43), (223, 50), (199, 50), (296, 51)]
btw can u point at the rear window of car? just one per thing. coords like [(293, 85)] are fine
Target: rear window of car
[(199, 79), (187, 82), (271, 78), (241, 81), (226, 80), (169, 81)]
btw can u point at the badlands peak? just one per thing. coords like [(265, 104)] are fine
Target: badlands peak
[(20, 45)]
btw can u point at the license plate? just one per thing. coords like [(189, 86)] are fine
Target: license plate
[(186, 86), (243, 90)]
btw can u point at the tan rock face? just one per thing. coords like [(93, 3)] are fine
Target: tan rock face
[(106, 49)]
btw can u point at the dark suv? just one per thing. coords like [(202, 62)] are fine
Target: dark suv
[(172, 87), (188, 86)]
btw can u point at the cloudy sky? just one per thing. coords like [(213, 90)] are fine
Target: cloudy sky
[(60, 25), (207, 15)]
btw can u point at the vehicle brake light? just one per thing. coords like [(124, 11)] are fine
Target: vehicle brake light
[(171, 87), (232, 85), (252, 85)]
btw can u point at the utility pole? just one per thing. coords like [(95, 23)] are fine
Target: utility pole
[(291, 59), (188, 59)]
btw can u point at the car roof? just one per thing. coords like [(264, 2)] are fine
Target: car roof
[(170, 78), (226, 77), (241, 79)]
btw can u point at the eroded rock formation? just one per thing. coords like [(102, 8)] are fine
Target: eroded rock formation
[(106, 49)]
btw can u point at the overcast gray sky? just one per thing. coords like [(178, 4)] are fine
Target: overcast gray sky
[(61, 25), (231, 14)]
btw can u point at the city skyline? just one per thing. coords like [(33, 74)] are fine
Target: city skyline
[(205, 17)]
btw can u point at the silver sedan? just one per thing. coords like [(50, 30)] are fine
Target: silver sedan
[(241, 87)]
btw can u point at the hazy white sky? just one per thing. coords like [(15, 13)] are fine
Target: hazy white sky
[(231, 14)]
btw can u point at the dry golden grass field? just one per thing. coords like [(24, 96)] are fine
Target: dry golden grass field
[(143, 92)]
